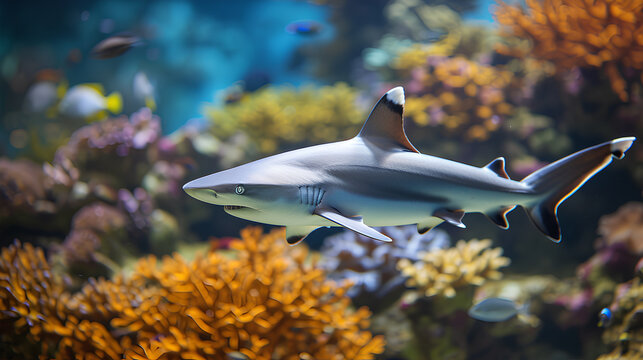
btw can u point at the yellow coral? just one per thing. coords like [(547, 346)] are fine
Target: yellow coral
[(443, 271), (265, 303), (461, 95), (278, 117), (573, 33)]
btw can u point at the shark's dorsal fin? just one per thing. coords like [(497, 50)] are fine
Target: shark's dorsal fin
[(498, 167), (385, 124)]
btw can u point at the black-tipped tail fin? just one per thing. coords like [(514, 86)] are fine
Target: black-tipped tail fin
[(558, 180)]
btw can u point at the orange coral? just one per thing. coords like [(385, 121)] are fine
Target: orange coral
[(265, 303), (571, 33), (461, 95)]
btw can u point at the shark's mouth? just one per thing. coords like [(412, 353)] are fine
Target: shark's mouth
[(233, 207)]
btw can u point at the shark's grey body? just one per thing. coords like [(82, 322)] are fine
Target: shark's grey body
[(378, 179)]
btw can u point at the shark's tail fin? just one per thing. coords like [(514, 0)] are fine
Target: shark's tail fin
[(558, 180)]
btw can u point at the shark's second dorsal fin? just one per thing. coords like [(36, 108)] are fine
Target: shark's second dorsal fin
[(386, 121), (498, 167)]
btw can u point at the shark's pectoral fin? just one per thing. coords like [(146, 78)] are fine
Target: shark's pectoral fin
[(428, 224), (296, 234), (352, 223), (453, 217)]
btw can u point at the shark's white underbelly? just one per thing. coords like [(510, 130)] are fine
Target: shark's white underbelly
[(382, 212)]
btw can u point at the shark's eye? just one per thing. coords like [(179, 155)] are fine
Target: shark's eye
[(239, 190)]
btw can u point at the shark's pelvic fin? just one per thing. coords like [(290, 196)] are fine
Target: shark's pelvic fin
[(498, 167), (428, 224), (385, 124), (355, 224), (500, 217), (453, 217), (557, 181), (296, 234)]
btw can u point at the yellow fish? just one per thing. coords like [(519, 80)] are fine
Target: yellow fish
[(87, 101)]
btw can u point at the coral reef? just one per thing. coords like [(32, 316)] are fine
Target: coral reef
[(460, 95), (371, 265), (625, 334), (94, 240), (278, 118), (423, 23), (92, 149), (441, 272), (624, 226), (266, 301), (24, 186), (604, 34)]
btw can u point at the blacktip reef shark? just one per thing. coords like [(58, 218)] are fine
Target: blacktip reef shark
[(378, 178)]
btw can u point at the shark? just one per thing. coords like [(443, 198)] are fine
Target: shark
[(378, 178)]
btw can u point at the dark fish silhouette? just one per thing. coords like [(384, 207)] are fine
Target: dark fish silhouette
[(114, 46), (304, 27)]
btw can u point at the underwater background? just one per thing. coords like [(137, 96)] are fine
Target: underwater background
[(105, 257)]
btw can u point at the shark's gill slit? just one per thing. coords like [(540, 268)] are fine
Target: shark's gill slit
[(310, 195)]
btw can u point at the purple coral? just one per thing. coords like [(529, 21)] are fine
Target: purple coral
[(371, 265), (118, 136)]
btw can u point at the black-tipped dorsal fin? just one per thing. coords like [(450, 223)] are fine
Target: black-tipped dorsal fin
[(386, 121), (498, 167)]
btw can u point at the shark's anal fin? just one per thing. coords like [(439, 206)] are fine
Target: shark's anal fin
[(355, 224), (498, 167), (500, 217), (453, 217), (296, 234), (428, 224), (385, 124)]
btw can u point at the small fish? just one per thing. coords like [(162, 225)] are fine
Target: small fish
[(114, 46), (43, 96), (495, 310), (236, 355), (87, 101), (144, 90), (304, 27), (605, 317)]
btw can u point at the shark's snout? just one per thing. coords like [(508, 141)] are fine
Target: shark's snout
[(200, 192)]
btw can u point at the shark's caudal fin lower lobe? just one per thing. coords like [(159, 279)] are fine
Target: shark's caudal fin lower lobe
[(560, 179)]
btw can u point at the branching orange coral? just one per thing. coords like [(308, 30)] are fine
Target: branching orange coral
[(461, 95), (585, 33), (444, 271), (265, 303)]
